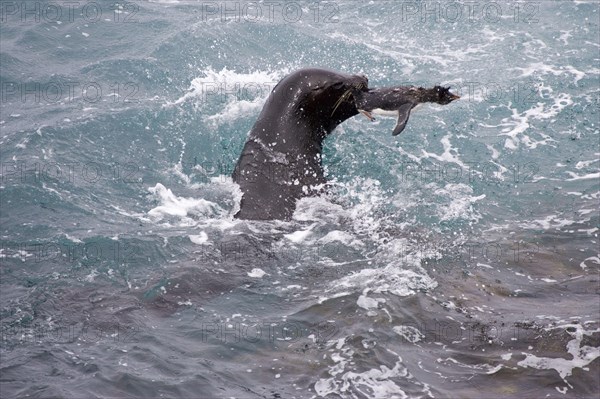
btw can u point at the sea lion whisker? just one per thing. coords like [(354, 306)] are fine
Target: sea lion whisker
[(342, 98)]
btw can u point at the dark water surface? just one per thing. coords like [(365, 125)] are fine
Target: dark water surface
[(457, 260)]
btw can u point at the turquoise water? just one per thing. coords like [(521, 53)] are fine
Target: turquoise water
[(458, 259)]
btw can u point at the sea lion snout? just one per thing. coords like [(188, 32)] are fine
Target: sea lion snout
[(360, 82)]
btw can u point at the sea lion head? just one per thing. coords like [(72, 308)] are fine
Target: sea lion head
[(317, 96), (333, 91)]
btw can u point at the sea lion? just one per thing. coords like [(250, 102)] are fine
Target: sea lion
[(281, 160)]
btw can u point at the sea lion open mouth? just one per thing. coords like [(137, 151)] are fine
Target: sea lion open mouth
[(347, 94)]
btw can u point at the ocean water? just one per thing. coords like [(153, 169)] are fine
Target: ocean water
[(459, 259)]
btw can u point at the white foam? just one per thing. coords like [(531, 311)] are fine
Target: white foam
[(518, 123), (363, 198), (391, 278), (461, 202), (342, 237), (584, 164), (178, 206), (450, 153), (547, 223), (300, 235), (90, 277), (594, 259), (543, 68), (234, 110), (409, 333), (589, 176), (367, 197), (494, 151), (199, 239), (486, 368), (257, 273), (202, 86), (367, 303), (318, 209), (73, 239), (240, 94), (581, 355), (377, 382)]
